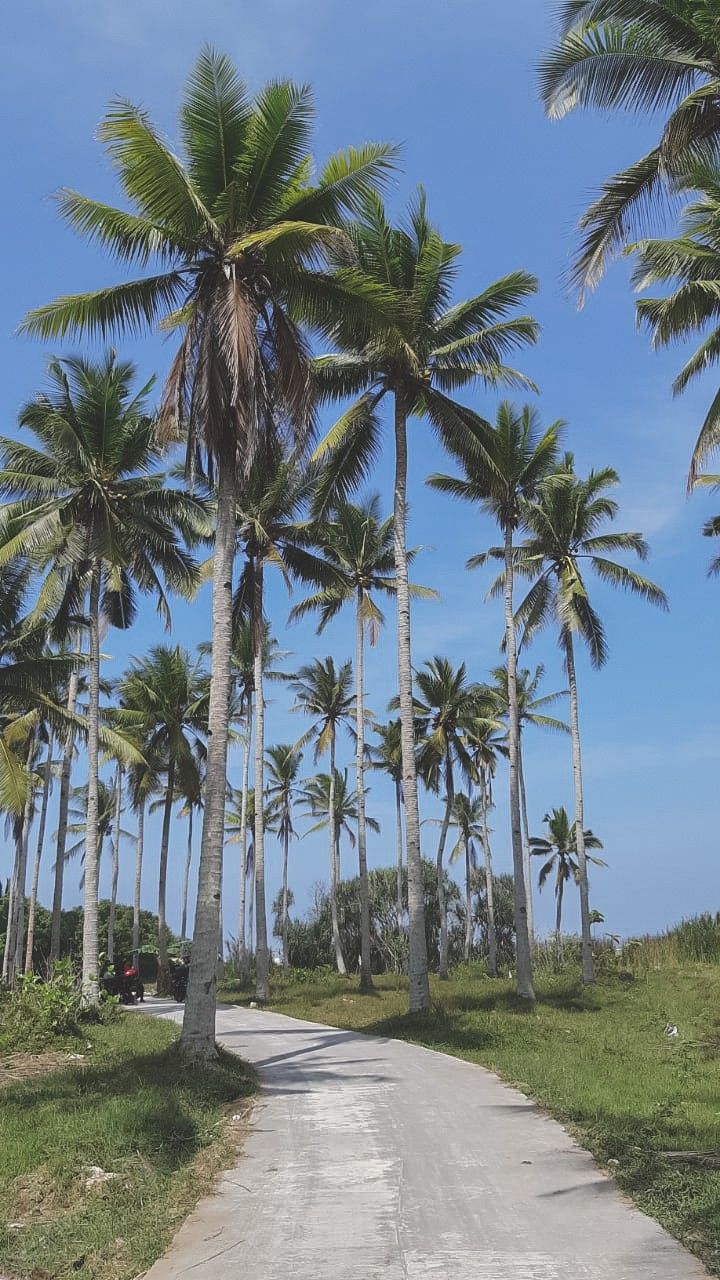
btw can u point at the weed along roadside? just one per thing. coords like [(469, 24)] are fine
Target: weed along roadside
[(643, 1101), (123, 1141)]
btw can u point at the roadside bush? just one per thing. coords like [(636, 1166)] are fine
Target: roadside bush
[(38, 1012)]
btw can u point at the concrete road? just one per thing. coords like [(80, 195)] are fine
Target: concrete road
[(375, 1158)]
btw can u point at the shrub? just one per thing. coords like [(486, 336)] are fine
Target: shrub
[(38, 1012)]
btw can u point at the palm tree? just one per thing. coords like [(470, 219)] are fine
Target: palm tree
[(238, 234), (318, 795), (530, 712), (115, 853), (359, 549), (565, 533), (271, 531), (485, 745), (559, 848), (163, 699), (426, 354), (451, 706), (324, 692), (46, 777), (283, 762), (643, 56), (502, 469), (192, 793), (240, 829), (86, 505), (143, 781), (387, 756), (77, 822), (467, 818)]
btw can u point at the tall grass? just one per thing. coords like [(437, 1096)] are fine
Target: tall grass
[(693, 941)]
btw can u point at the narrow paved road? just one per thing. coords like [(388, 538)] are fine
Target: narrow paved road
[(372, 1158)]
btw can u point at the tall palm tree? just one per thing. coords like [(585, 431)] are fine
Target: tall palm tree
[(283, 762), (240, 829), (322, 791), (163, 698), (387, 755), (501, 469), (559, 848), (451, 705), (531, 711), (325, 693), (115, 853), (467, 819), (77, 822), (431, 349), (237, 233), (639, 56), (87, 505), (565, 523), (359, 549), (143, 781), (272, 531), (46, 779), (485, 745)]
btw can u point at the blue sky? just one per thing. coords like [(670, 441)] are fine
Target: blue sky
[(455, 85)]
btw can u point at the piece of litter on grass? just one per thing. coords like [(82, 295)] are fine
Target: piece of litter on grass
[(76, 1057), (237, 1117), (97, 1177), (671, 1030), (615, 1163)]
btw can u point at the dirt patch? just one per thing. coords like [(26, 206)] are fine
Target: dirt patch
[(15, 1067)]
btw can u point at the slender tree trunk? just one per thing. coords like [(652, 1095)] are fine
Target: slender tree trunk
[(588, 974), (558, 910), (522, 938), (399, 852), (9, 950), (526, 848), (139, 850), (419, 992), (163, 974), (286, 852), (90, 974), (468, 904), (251, 915), (198, 1033), (63, 804), (489, 889), (366, 982), (38, 859), (442, 903), (115, 867), (243, 968), (13, 956), (262, 958), (334, 868), (186, 874)]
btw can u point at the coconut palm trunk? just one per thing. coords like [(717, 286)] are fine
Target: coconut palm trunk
[(198, 1033), (262, 958), (526, 847), (13, 955), (522, 938), (137, 888), (286, 853), (366, 981), (442, 902), (419, 986), (588, 974), (558, 909), (399, 851), (63, 804), (489, 890), (32, 909), (90, 964), (468, 904), (242, 941), (163, 974), (115, 867), (334, 864), (186, 875)]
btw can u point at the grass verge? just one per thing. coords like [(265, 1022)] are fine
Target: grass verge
[(599, 1060), (131, 1108)]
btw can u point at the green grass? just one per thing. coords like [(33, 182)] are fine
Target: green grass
[(599, 1060), (132, 1108)]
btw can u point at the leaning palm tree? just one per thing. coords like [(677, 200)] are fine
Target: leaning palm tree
[(236, 233), (359, 549), (386, 755), (531, 711), (87, 505), (639, 56), (432, 349), (272, 532), (501, 469), (283, 763), (565, 524), (559, 849), (324, 692), (163, 699), (450, 704)]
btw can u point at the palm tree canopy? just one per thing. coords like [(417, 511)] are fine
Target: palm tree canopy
[(451, 705), (387, 752), (230, 236), (646, 56), (466, 817), (531, 705), (163, 698), (283, 764), (325, 693), (559, 848), (430, 347), (88, 493), (316, 799)]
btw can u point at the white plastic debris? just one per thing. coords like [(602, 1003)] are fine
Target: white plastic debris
[(97, 1177), (671, 1030), (253, 1004)]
